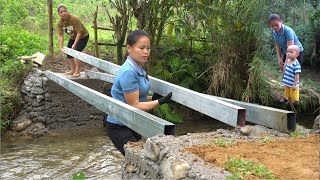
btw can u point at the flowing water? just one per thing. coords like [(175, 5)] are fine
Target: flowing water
[(62, 154)]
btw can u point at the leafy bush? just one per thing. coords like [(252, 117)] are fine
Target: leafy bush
[(17, 42), (241, 168), (177, 65), (165, 112), (11, 75), (10, 99), (312, 45)]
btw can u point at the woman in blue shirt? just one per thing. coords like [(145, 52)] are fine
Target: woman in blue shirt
[(283, 36), (131, 86)]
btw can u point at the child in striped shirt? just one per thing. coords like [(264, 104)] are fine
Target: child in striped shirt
[(292, 69)]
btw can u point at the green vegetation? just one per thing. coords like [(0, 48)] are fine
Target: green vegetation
[(298, 132), (224, 142), (78, 176), (222, 48), (165, 112), (242, 168), (266, 139)]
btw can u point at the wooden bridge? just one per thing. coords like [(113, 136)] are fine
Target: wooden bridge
[(232, 112)]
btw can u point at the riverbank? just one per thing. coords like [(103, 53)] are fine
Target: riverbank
[(206, 155)]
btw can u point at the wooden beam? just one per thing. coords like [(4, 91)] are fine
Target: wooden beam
[(140, 121), (223, 111)]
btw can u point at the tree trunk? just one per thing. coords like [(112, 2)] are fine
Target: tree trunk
[(95, 27), (49, 2)]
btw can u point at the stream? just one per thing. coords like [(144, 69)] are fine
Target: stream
[(60, 155)]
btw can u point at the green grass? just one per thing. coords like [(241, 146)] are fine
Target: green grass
[(266, 139), (297, 133), (78, 176), (223, 142), (242, 168), (10, 99)]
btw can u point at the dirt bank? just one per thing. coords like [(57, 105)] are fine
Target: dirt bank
[(289, 158)]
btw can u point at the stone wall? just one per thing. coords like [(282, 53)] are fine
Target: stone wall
[(48, 106), (164, 157)]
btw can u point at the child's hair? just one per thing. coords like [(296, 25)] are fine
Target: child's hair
[(274, 17), (61, 6), (295, 47), (134, 36)]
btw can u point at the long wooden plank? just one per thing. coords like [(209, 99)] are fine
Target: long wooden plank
[(278, 119), (142, 122), (230, 114)]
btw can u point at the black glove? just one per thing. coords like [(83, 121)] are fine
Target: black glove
[(165, 99), (156, 96)]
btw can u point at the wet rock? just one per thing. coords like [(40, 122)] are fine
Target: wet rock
[(20, 124), (36, 130)]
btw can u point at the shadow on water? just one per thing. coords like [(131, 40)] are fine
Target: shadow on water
[(307, 120), (60, 155), (195, 122)]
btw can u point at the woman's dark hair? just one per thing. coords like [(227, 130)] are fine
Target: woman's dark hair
[(61, 6), (274, 17), (134, 36)]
